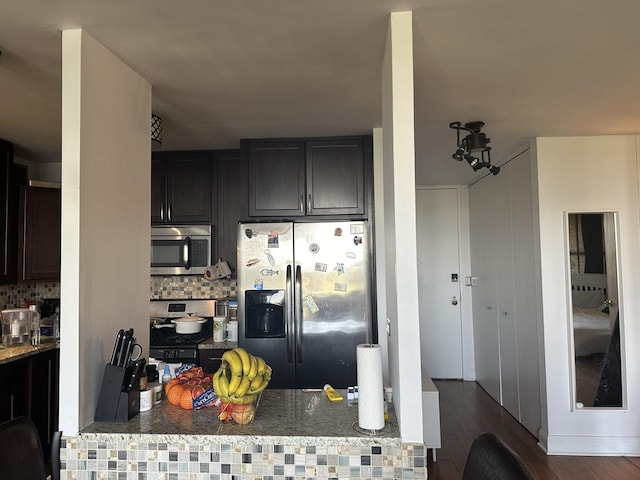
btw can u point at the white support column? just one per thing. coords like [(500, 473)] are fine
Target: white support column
[(106, 169), (400, 225)]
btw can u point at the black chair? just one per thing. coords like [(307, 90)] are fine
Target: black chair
[(21, 454), (492, 459)]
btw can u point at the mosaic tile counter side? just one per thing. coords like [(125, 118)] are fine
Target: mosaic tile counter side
[(294, 436)]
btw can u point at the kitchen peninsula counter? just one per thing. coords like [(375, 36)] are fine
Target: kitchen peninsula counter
[(10, 354), (290, 415), (294, 434)]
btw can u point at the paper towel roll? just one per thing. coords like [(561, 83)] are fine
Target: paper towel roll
[(370, 400)]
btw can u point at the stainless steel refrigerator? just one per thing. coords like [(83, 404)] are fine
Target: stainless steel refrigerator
[(304, 299)]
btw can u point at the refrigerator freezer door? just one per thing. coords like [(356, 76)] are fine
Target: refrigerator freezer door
[(333, 261), (265, 323)]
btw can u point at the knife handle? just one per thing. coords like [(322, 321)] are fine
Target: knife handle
[(134, 379), (127, 351), (116, 347)]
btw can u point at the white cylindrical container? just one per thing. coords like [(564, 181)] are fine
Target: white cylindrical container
[(146, 400), (232, 331), (370, 399), (156, 388), (388, 394), (219, 328)]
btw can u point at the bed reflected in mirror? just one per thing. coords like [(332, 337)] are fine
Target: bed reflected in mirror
[(596, 314)]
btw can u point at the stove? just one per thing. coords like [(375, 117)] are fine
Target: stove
[(164, 343)]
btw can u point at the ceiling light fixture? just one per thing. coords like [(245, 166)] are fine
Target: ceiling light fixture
[(469, 147), (156, 131)]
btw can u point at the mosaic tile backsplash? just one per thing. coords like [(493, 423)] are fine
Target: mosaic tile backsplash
[(183, 286), (190, 286), (14, 296)]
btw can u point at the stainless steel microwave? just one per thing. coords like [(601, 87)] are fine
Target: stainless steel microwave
[(181, 249)]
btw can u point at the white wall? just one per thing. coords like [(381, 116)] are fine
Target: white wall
[(587, 174), (48, 172), (400, 226), (106, 111)]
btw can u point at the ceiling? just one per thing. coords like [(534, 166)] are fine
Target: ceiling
[(226, 70)]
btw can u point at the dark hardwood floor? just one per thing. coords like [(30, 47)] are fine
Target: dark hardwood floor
[(466, 411)]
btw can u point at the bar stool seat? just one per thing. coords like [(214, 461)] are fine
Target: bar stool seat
[(21, 454)]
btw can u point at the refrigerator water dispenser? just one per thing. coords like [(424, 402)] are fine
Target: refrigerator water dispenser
[(264, 317)]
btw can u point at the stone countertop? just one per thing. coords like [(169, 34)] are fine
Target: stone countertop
[(10, 354), (210, 344), (285, 416)]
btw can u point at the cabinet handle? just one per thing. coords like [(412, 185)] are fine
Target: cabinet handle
[(162, 211), (169, 211), (309, 204), (301, 203)]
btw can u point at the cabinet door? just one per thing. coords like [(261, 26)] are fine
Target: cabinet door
[(158, 190), (13, 394), (39, 234), (232, 203), (43, 395), (181, 185), (335, 177), (8, 216), (189, 190), (276, 178)]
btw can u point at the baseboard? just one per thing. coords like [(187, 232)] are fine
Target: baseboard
[(542, 439), (590, 445)]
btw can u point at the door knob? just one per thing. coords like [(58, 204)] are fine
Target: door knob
[(454, 301)]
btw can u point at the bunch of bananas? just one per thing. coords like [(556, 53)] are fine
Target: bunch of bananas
[(241, 377)]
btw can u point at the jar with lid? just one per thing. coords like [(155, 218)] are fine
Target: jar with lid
[(35, 325), (233, 310)]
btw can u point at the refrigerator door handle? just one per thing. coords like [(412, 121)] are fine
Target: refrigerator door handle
[(298, 316), (289, 315)]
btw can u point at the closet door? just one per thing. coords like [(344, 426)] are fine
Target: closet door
[(503, 246), (506, 294), (485, 321), (526, 292)]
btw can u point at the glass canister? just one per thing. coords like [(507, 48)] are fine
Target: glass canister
[(16, 327)]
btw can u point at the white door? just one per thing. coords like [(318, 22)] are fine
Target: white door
[(439, 290)]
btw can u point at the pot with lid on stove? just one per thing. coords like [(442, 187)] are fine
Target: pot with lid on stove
[(184, 325)]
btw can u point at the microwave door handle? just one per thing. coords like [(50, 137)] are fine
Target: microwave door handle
[(186, 253), (298, 315), (289, 314)]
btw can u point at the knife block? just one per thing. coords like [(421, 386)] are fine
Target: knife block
[(114, 405)]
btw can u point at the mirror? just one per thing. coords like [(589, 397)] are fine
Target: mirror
[(596, 316)]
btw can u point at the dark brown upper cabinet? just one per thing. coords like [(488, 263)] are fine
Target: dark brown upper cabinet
[(308, 177), (181, 187), (232, 176), (8, 216), (276, 178), (39, 234), (335, 177)]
